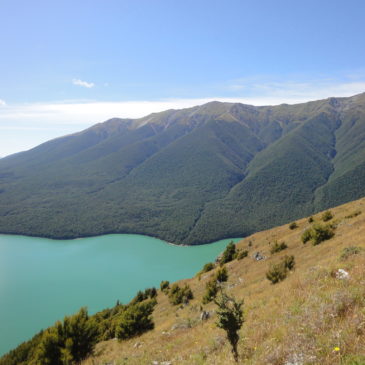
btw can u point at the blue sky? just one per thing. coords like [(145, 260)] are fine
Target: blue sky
[(65, 65)]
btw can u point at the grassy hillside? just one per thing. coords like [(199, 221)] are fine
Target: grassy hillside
[(189, 176), (313, 316)]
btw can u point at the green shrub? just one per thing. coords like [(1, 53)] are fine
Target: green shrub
[(321, 233), (135, 320), (70, 341), (279, 272), (327, 216), (354, 214), (221, 275), (277, 247), (207, 267), (276, 273), (242, 254), (293, 225), (164, 286), (178, 295), (349, 251), (311, 219), (212, 286), (67, 342), (289, 262), (149, 293), (228, 254), (211, 291), (307, 235), (317, 234)]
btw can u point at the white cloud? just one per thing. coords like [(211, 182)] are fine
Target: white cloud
[(86, 84), (2, 103), (49, 120), (296, 89)]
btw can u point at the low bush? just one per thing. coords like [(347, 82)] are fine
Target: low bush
[(317, 234), (135, 320), (221, 275), (278, 272), (165, 286), (293, 225), (307, 235), (310, 219), (229, 253), (242, 254), (149, 293), (212, 286), (354, 214), (289, 262), (327, 216), (277, 247), (178, 295), (349, 251), (211, 291), (207, 267), (321, 233)]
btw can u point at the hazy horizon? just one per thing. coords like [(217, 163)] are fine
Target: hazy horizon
[(69, 65)]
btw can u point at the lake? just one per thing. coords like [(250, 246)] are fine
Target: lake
[(42, 280)]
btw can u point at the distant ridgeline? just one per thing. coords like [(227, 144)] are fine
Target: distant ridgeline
[(189, 176)]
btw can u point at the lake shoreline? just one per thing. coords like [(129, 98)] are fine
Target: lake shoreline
[(67, 238)]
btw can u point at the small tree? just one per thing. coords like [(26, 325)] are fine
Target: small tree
[(229, 253), (230, 319)]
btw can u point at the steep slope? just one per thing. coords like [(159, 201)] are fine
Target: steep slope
[(189, 176), (314, 316)]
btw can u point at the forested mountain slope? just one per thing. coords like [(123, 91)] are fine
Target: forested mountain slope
[(189, 176)]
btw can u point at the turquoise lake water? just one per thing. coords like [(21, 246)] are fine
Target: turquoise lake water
[(43, 280)]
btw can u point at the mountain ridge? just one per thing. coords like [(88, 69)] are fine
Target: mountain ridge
[(172, 174)]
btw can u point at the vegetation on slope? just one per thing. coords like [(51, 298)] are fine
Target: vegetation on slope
[(72, 340), (189, 176), (314, 316)]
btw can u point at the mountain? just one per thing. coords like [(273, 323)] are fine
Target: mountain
[(189, 176), (314, 315)]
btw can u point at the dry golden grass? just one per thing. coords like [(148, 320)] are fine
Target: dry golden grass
[(311, 317)]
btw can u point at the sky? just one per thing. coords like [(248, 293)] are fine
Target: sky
[(66, 65)]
